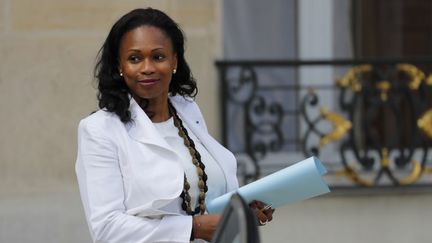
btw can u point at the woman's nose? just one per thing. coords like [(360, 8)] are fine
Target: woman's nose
[(147, 66)]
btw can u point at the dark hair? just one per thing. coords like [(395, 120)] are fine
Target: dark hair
[(113, 93)]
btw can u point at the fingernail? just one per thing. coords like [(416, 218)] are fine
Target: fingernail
[(267, 207)]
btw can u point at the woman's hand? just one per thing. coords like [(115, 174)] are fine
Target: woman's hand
[(204, 226), (263, 212)]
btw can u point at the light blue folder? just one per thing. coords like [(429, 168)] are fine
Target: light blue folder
[(295, 183)]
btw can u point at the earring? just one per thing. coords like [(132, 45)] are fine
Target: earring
[(121, 74), (174, 71)]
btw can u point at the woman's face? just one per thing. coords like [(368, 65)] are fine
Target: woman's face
[(147, 61)]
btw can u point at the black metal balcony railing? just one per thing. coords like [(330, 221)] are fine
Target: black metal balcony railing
[(369, 120)]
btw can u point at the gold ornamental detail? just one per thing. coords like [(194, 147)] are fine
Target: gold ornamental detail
[(415, 174), (340, 126), (384, 87), (385, 161), (429, 80), (425, 123), (414, 73), (350, 78), (416, 170)]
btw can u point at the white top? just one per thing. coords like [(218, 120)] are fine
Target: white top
[(215, 177)]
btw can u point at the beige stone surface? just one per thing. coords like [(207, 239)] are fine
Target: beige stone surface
[(355, 219), (2, 15), (48, 15), (50, 214), (53, 213), (195, 13), (45, 88), (203, 69), (95, 15)]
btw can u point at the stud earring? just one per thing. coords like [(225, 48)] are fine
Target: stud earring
[(121, 74), (174, 71)]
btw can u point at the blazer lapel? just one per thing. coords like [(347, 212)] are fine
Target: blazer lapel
[(141, 128)]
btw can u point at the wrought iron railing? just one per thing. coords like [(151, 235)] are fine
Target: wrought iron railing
[(369, 120)]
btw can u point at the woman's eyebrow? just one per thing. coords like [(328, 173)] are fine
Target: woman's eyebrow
[(138, 50)]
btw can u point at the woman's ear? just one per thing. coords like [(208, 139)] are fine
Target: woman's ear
[(175, 61), (120, 71)]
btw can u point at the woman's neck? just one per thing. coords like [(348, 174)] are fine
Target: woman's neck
[(160, 111), (156, 109)]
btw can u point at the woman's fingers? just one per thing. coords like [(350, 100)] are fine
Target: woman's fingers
[(263, 212), (260, 205), (269, 214), (261, 216)]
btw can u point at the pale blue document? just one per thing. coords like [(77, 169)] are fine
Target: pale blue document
[(295, 183)]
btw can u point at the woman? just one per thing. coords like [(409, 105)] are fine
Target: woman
[(146, 164)]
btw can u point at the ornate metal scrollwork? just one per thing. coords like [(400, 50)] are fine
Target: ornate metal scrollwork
[(262, 120), (339, 124), (380, 126), (242, 90), (381, 134), (263, 127)]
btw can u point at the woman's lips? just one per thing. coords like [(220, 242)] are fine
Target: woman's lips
[(147, 81)]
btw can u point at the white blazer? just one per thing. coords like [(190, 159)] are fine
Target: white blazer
[(127, 173)]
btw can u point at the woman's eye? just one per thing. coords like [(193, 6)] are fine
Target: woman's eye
[(134, 59), (158, 57)]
